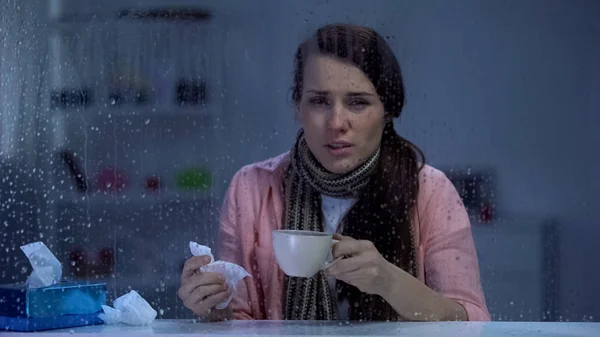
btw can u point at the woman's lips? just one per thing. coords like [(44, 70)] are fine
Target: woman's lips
[(339, 148)]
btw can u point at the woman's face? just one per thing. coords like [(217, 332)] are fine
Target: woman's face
[(341, 113)]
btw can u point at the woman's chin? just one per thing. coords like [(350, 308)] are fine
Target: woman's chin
[(341, 166)]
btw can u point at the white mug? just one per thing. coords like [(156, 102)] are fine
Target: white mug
[(302, 253)]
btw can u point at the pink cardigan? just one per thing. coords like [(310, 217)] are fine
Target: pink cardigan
[(253, 208)]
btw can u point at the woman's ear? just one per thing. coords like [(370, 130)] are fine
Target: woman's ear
[(297, 115)]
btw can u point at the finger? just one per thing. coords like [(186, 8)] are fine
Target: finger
[(205, 307), (340, 237), (210, 290), (191, 299), (200, 293), (198, 280), (329, 264), (347, 265), (195, 299), (193, 264), (351, 247), (354, 278), (214, 299)]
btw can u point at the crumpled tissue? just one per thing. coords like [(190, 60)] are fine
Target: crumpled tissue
[(46, 268), (233, 273), (130, 309)]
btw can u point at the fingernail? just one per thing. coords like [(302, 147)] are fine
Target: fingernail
[(206, 259), (222, 277), (226, 286)]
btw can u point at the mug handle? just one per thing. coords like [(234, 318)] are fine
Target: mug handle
[(329, 264)]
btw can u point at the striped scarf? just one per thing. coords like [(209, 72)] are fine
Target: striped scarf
[(305, 181)]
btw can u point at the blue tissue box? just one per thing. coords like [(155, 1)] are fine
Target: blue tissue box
[(62, 305)]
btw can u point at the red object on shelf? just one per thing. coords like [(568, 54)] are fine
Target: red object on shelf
[(85, 264), (153, 184), (486, 214), (110, 180)]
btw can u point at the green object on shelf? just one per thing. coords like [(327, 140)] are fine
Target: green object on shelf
[(196, 179)]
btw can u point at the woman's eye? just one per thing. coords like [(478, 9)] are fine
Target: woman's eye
[(318, 100), (359, 103)]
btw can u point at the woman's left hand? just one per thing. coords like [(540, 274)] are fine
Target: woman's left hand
[(364, 267)]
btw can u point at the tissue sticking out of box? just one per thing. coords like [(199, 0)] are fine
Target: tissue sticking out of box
[(46, 268), (233, 273), (130, 309)]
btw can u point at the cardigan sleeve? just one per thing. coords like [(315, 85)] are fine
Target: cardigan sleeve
[(450, 262), (230, 248)]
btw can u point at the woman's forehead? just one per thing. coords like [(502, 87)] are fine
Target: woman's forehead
[(328, 74)]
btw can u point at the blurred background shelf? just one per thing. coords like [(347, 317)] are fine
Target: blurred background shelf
[(132, 199), (139, 97)]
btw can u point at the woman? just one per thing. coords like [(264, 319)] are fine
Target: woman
[(405, 235)]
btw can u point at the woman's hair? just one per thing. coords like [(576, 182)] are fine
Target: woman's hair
[(384, 212)]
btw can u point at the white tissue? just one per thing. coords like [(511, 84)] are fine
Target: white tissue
[(46, 268), (130, 309), (233, 273)]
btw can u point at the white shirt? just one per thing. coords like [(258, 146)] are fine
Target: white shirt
[(334, 210)]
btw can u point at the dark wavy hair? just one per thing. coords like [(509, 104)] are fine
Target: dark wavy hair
[(383, 213)]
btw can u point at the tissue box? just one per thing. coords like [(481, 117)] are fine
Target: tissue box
[(62, 305)]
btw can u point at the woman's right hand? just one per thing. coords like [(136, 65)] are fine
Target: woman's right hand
[(201, 292)]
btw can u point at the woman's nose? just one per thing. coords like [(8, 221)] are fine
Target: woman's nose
[(337, 118)]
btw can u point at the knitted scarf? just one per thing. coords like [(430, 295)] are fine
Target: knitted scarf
[(305, 181)]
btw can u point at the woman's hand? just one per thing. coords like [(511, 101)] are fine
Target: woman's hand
[(367, 270), (201, 292), (364, 267)]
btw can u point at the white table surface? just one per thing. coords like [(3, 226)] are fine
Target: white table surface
[(307, 328)]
